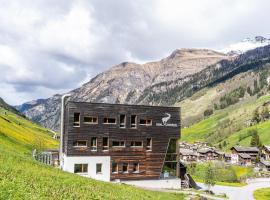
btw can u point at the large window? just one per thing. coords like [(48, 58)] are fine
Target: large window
[(136, 144), (149, 144), (114, 167), (93, 144), (118, 143), (105, 143), (98, 168), (146, 122), (133, 121), (90, 120), (80, 143), (170, 164), (76, 120), (122, 121), (125, 167), (80, 168), (136, 167), (109, 120)]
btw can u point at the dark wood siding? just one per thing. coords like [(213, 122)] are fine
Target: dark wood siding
[(151, 162)]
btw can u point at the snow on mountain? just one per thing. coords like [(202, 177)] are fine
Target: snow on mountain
[(245, 45)]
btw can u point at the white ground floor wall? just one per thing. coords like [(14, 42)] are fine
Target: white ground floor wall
[(68, 162)]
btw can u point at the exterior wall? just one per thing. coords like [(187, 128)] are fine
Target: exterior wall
[(69, 162), (150, 162)]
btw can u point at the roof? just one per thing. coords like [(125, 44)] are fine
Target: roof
[(244, 156), (228, 155), (206, 150), (187, 152), (245, 149), (267, 147), (265, 163)]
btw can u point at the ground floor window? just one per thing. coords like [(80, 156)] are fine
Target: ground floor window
[(125, 167), (80, 168), (135, 167), (98, 168), (114, 168)]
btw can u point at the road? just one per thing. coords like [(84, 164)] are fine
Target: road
[(241, 193)]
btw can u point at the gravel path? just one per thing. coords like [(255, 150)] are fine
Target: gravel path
[(241, 193)]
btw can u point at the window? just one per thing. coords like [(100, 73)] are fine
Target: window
[(105, 144), (114, 168), (98, 168), (80, 168), (125, 167), (76, 120), (90, 120), (133, 121), (135, 167), (80, 143), (136, 144), (108, 120), (118, 143), (122, 121), (93, 144), (149, 144), (146, 122)]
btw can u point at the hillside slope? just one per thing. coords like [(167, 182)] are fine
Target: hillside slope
[(23, 178), (233, 103)]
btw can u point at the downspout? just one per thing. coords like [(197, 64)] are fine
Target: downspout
[(62, 128)]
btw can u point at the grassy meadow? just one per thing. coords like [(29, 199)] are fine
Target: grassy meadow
[(262, 194)]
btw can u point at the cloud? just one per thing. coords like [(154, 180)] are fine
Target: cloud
[(49, 47)]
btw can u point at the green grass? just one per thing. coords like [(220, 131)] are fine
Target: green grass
[(262, 194), (224, 175), (23, 178), (236, 115)]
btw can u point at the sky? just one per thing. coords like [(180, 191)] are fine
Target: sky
[(49, 47)]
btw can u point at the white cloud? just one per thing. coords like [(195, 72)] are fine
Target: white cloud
[(48, 47)]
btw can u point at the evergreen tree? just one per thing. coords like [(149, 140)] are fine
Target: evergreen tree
[(265, 113), (255, 140), (256, 116)]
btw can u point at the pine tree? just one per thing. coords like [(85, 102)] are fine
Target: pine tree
[(265, 113), (256, 116), (255, 140)]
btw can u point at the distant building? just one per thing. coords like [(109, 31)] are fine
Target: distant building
[(266, 152), (265, 164), (208, 154), (115, 141), (242, 155), (188, 155)]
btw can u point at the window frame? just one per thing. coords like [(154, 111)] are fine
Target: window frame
[(98, 171), (83, 167), (105, 148), (92, 147), (149, 148), (138, 166), (119, 143), (77, 123), (92, 117), (122, 125), (127, 165), (136, 146), (117, 168), (133, 125), (77, 146), (146, 120), (108, 120)]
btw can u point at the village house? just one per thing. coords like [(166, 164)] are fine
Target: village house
[(266, 152), (227, 158), (205, 154), (188, 155), (265, 165), (119, 142), (244, 155)]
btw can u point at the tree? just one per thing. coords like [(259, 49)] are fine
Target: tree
[(208, 112), (265, 113), (256, 116), (209, 176), (224, 143), (255, 139)]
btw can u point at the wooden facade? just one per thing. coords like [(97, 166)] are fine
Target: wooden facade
[(162, 126)]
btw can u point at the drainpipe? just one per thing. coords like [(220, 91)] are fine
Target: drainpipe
[(62, 127)]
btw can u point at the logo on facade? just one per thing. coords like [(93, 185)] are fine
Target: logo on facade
[(164, 121)]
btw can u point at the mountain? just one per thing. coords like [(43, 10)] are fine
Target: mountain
[(245, 45), (132, 83)]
